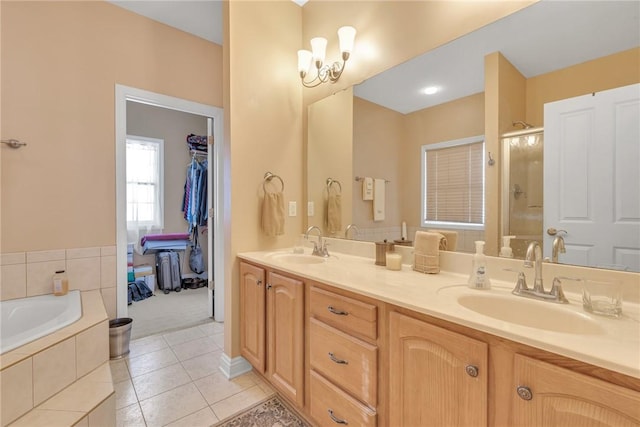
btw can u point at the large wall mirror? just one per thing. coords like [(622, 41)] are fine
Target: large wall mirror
[(376, 129)]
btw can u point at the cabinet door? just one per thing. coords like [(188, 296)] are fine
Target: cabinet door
[(559, 397), (252, 315), (437, 377), (285, 332)]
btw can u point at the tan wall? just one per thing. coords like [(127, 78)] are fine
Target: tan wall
[(330, 150), (263, 125), (620, 69), (172, 127), (60, 64), (378, 135)]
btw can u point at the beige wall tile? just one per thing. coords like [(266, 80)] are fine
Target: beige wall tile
[(110, 302), (84, 273), (13, 258), (83, 422), (16, 384), (39, 276), (53, 370), (81, 396), (107, 271), (104, 414), (13, 281), (41, 417), (92, 348), (108, 251), (83, 253), (43, 256)]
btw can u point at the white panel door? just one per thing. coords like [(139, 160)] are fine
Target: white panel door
[(592, 177)]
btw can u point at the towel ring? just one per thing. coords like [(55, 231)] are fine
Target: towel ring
[(268, 177), (331, 181)]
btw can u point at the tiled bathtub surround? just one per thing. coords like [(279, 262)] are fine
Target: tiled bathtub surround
[(45, 374), (25, 274)]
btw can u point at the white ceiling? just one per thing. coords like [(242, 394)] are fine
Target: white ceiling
[(546, 36), (543, 37)]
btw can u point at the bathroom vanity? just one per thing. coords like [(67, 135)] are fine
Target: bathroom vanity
[(346, 341)]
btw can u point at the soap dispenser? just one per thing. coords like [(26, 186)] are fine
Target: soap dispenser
[(505, 250), (479, 278)]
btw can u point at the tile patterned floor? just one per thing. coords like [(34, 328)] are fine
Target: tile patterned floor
[(173, 379)]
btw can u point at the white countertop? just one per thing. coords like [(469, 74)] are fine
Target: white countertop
[(605, 342)]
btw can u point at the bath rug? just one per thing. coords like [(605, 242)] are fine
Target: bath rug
[(269, 413)]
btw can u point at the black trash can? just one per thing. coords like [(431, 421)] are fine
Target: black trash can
[(119, 337)]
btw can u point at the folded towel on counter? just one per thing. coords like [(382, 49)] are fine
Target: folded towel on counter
[(426, 251), (334, 212), (451, 239), (273, 214), (378, 199)]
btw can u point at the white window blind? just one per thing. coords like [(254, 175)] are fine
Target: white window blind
[(144, 182), (453, 186)]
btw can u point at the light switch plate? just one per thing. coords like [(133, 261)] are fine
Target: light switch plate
[(310, 208), (293, 210)]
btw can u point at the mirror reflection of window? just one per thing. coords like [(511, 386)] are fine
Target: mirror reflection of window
[(453, 184)]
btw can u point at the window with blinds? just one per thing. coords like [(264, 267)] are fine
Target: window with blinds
[(453, 183), (145, 191)]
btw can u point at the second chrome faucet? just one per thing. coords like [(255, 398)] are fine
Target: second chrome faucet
[(320, 248)]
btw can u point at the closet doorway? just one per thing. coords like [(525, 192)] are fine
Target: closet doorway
[(158, 117)]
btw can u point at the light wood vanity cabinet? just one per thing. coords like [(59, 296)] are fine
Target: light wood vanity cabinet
[(437, 377), (343, 359), (272, 328), (546, 395)]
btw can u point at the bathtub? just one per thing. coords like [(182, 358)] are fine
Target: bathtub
[(27, 319)]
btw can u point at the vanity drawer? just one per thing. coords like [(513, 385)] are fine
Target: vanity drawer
[(347, 361), (344, 313), (327, 400)]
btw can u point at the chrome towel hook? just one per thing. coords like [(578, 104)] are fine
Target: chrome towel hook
[(13, 143)]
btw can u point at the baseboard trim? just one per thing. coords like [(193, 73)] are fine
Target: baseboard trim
[(235, 367)]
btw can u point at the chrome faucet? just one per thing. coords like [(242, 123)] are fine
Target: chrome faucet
[(557, 247), (320, 248), (355, 231), (533, 258)]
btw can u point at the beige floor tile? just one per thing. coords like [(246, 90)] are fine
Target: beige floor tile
[(194, 348), (201, 366), (146, 345), (130, 416), (159, 381), (217, 387), (219, 340), (238, 402), (119, 370), (204, 417), (184, 335), (172, 405), (125, 394), (212, 328), (151, 361)]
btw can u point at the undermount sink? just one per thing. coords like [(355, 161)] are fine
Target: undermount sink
[(534, 314), (298, 258)]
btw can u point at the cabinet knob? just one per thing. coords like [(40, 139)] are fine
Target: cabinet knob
[(259, 282), (524, 392), (471, 370), (338, 312), (336, 360), (268, 286), (336, 419)]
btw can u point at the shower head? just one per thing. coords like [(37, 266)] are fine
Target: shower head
[(523, 124)]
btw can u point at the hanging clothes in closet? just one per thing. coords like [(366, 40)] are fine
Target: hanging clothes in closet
[(194, 201)]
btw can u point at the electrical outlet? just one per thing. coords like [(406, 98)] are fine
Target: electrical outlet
[(310, 208), (293, 209)]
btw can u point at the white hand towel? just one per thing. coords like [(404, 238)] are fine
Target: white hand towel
[(378, 199), (367, 188)]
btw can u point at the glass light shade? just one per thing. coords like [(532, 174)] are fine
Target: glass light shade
[(346, 35), (304, 61), (319, 48)]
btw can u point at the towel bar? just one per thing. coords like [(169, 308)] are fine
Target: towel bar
[(268, 177)]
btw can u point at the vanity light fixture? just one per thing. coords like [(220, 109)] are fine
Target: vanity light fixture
[(325, 72)]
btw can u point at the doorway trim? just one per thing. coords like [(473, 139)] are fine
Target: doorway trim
[(122, 95)]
